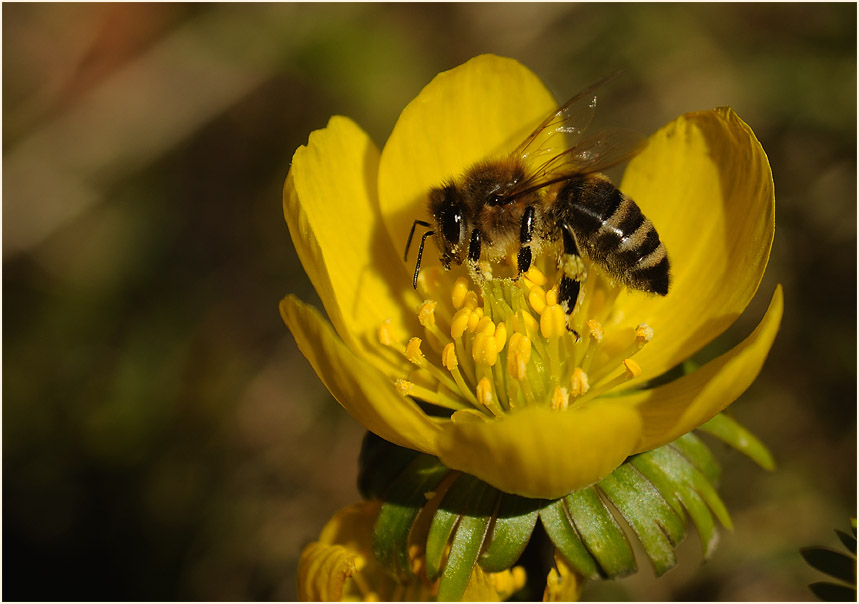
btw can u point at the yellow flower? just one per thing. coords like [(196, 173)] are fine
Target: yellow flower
[(340, 566), (531, 409)]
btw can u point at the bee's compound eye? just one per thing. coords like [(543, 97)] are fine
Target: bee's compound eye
[(451, 223)]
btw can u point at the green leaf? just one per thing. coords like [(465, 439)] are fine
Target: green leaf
[(656, 524), (566, 539), (725, 428), (699, 455), (833, 563), (833, 592), (513, 527), (849, 541), (403, 501), (682, 485), (601, 533), (472, 501)]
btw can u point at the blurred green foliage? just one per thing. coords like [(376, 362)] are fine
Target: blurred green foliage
[(162, 436)]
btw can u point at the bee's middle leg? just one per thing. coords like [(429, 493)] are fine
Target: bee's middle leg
[(526, 231)]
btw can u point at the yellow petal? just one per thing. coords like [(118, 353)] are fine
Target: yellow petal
[(678, 407), (706, 184), (323, 571), (352, 527), (480, 109), (537, 452), (330, 205), (360, 388)]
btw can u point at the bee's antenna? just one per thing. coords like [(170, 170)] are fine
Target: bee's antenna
[(411, 234), (420, 254)]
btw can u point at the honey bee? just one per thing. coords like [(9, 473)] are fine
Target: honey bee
[(499, 207)]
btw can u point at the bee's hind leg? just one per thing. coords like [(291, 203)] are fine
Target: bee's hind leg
[(574, 272)]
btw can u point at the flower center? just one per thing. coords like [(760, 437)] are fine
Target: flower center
[(487, 350)]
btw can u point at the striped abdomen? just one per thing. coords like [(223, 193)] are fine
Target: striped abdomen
[(611, 231)]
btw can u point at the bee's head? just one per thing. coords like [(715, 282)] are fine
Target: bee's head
[(447, 207)]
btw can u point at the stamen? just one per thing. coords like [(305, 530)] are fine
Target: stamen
[(579, 383), (560, 399), (553, 321), (471, 301), (500, 335), (440, 398), (518, 355), (484, 350), (448, 357), (537, 299), (413, 352), (486, 397), (633, 369), (451, 363), (386, 333), (459, 323), (458, 292), (404, 387), (536, 276), (629, 370), (474, 319), (595, 330), (426, 313), (643, 334)]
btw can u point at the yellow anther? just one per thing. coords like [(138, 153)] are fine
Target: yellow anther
[(633, 369), (524, 322), (552, 296), (426, 313), (536, 276), (485, 325), (360, 562), (560, 399), (537, 299), (404, 387), (448, 357), (459, 323), (474, 319), (595, 329), (553, 321), (579, 383), (386, 333), (458, 292), (643, 334), (413, 352), (471, 301), (518, 355), (500, 335), (485, 395), (484, 350)]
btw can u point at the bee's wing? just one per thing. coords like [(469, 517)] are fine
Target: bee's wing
[(562, 128), (596, 152)]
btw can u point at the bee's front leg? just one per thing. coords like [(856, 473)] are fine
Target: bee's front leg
[(474, 245)]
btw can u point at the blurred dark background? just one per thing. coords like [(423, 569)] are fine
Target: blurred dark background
[(163, 438)]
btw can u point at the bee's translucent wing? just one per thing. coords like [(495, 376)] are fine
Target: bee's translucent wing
[(597, 152), (563, 128)]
